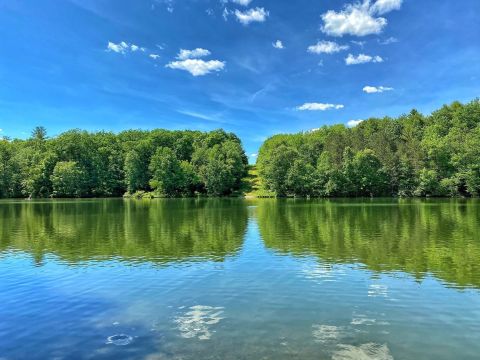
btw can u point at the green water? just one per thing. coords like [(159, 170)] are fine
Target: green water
[(240, 279)]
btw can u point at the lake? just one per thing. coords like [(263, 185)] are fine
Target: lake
[(240, 279)]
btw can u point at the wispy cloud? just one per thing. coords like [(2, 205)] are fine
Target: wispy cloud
[(376, 89), (326, 47), (359, 19), (195, 114), (154, 56), (362, 59), (359, 43), (388, 41), (252, 15), (319, 107), (168, 4)]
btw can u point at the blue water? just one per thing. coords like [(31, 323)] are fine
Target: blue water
[(239, 279)]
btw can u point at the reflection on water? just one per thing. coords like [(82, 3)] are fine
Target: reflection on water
[(240, 279), (418, 237), (198, 320), (161, 231)]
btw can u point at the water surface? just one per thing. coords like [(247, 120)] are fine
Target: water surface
[(240, 279)]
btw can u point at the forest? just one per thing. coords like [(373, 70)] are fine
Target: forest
[(135, 162), (412, 155)]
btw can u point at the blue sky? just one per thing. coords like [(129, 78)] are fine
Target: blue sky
[(254, 67)]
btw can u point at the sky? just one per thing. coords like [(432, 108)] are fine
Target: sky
[(253, 67)]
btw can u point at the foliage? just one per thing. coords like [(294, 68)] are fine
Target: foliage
[(103, 164), (413, 155), (68, 179)]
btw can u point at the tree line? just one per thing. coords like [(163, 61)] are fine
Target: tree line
[(103, 164), (412, 155)]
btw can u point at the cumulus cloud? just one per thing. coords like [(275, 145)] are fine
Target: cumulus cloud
[(123, 47), (154, 56), (318, 107), (359, 19), (376, 89), (353, 123), (381, 7), (362, 59), (192, 54), (326, 47), (197, 67), (278, 44), (252, 15)]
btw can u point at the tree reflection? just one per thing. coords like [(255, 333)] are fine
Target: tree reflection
[(440, 237), (157, 230)]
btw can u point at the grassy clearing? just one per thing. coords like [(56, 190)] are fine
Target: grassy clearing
[(253, 186)]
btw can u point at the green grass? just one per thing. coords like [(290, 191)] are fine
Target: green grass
[(253, 186)]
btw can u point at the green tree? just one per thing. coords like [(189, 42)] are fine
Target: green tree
[(369, 177), (68, 179), (167, 173)]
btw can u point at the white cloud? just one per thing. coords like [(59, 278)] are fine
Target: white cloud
[(199, 115), (252, 15), (192, 54), (326, 47), (136, 48), (278, 44), (254, 155), (381, 7), (154, 56), (376, 89), (242, 2), (118, 48), (197, 67), (123, 47), (1, 130), (353, 123), (318, 107), (359, 19), (362, 59)]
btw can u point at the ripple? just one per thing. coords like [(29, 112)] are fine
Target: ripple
[(119, 339), (197, 322), (369, 351), (378, 290)]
